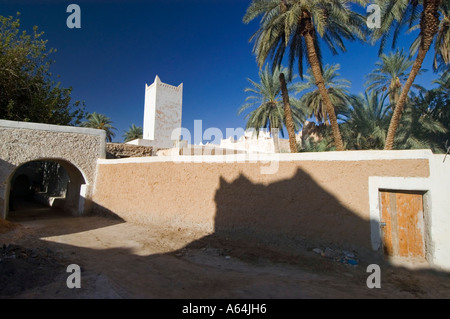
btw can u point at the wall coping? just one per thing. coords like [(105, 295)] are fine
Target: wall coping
[(52, 128), (282, 157)]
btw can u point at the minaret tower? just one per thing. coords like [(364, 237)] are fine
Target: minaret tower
[(162, 113)]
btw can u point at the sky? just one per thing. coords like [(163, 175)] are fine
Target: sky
[(123, 45)]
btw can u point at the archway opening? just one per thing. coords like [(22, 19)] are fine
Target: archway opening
[(43, 188)]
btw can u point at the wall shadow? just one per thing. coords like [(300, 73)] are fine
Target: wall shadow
[(98, 210), (290, 214), (202, 270)]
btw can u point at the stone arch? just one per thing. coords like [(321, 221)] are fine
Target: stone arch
[(75, 147), (75, 201)]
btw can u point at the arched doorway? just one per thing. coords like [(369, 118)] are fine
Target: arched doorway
[(47, 185)]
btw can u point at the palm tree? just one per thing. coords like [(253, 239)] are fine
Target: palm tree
[(101, 122), (442, 42), (269, 112), (290, 126), (419, 128), (370, 117), (394, 15), (435, 105), (337, 90), (444, 83), (439, 98), (296, 25), (390, 74), (133, 133), (368, 121), (323, 145)]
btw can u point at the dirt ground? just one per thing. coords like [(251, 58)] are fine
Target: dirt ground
[(125, 260)]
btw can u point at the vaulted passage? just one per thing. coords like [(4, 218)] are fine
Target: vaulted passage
[(29, 152), (47, 186)]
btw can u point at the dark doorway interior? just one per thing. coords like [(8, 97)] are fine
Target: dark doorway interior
[(37, 186)]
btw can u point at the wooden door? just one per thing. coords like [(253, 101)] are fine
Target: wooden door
[(402, 223)]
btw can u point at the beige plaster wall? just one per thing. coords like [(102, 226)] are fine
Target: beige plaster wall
[(320, 200)]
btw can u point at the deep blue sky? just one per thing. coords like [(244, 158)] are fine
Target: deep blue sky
[(201, 43)]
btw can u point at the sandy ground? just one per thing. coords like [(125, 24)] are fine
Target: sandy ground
[(125, 260)]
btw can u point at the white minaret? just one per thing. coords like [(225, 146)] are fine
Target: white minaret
[(162, 113)]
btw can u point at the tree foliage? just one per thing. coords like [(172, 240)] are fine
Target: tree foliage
[(284, 23), (27, 91), (424, 124), (368, 121), (430, 16), (266, 97), (390, 75), (100, 122), (296, 26), (133, 133), (337, 90)]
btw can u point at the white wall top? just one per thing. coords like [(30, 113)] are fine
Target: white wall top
[(51, 128), (282, 157)]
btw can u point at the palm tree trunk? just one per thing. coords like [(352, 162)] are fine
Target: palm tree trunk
[(395, 89), (276, 143), (429, 25), (317, 72), (288, 115)]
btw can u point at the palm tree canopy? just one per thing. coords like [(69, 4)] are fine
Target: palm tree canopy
[(397, 14), (283, 23), (133, 133), (266, 97), (403, 12), (296, 26), (101, 122), (391, 73), (419, 127), (438, 101), (368, 121), (337, 90), (442, 41), (444, 82), (370, 117)]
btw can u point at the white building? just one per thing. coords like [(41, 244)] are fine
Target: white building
[(251, 143), (162, 114)]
